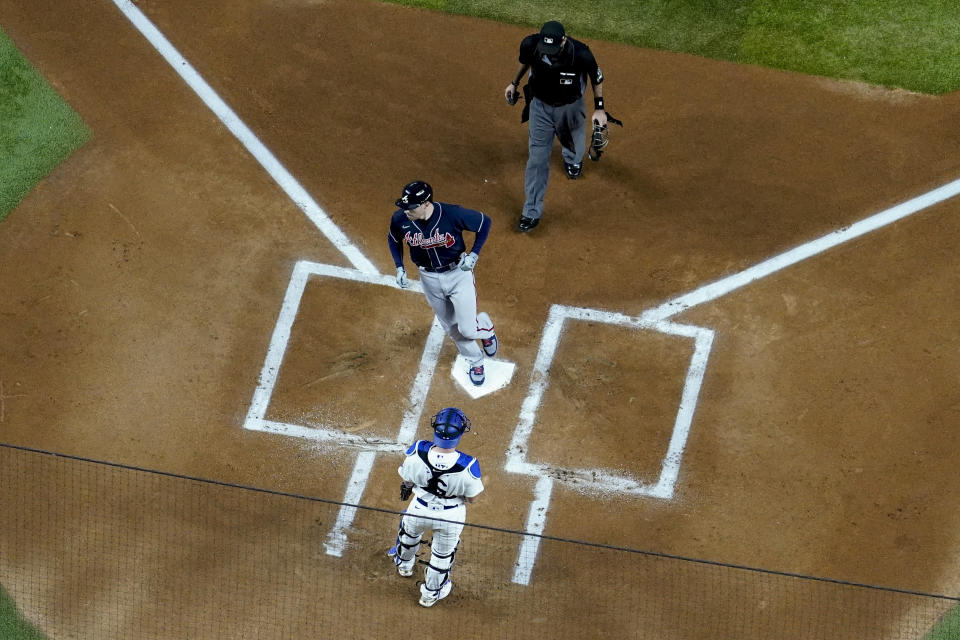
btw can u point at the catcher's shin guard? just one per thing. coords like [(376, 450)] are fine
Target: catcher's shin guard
[(407, 545), (438, 570)]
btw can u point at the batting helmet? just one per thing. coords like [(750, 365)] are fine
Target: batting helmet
[(414, 195), (448, 426)]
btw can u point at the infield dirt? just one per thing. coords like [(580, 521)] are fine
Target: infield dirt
[(143, 278)]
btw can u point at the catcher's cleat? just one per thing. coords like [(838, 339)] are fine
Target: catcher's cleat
[(490, 346), (405, 572), (428, 597), (527, 224), (476, 375), (574, 171)]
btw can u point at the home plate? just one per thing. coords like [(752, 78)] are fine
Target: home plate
[(497, 375)]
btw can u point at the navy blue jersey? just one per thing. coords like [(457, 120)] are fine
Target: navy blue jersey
[(560, 79), (437, 241)]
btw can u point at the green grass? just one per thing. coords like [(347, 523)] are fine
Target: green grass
[(913, 44), (38, 130), (948, 628), (12, 625)]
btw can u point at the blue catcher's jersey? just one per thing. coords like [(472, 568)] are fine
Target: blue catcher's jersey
[(438, 240)]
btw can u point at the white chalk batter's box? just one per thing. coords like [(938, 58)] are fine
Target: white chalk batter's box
[(499, 374)]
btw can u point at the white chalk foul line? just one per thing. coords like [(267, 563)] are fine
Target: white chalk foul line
[(267, 160), (724, 286)]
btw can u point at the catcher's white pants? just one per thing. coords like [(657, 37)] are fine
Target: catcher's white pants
[(447, 527), (453, 297)]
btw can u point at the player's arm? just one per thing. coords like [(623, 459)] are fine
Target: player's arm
[(470, 220), (408, 468), (482, 231), (396, 250), (474, 486)]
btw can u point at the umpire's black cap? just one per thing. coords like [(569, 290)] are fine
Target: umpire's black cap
[(414, 195), (551, 37)]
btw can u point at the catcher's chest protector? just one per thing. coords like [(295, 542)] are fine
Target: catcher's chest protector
[(433, 484)]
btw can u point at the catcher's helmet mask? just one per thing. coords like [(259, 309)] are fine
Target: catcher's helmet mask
[(414, 195), (449, 425)]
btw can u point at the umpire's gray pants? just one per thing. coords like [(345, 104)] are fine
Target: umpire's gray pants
[(545, 124)]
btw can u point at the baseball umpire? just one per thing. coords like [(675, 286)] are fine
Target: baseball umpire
[(434, 233), (559, 67), (441, 479)]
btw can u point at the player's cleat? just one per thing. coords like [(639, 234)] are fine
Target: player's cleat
[(574, 171), (428, 597), (526, 224), (476, 376), (490, 346), (405, 572)]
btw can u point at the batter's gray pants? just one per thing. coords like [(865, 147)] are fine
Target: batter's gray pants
[(545, 124), (453, 297)]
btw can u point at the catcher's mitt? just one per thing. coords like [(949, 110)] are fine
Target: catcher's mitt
[(406, 490)]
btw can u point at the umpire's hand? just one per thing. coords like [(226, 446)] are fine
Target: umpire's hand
[(510, 93)]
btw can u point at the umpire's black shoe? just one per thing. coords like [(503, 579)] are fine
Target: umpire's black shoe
[(574, 171), (526, 224)]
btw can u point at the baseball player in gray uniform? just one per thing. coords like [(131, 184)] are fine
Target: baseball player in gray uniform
[(433, 231), (441, 479), (559, 68)]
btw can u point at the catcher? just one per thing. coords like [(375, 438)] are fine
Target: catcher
[(440, 479)]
